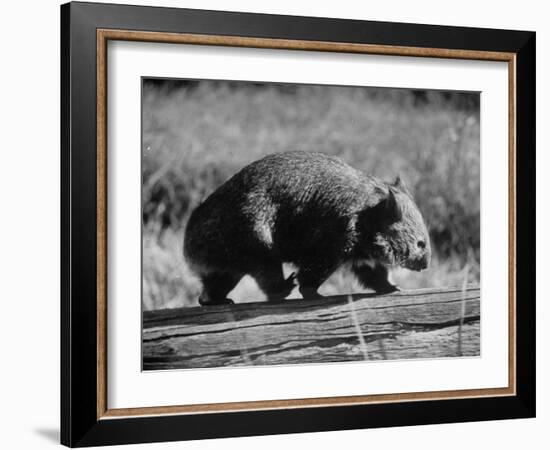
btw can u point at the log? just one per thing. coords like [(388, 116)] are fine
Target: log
[(427, 323)]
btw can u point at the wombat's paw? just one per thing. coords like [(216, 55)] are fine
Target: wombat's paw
[(388, 289), (310, 293), (208, 302)]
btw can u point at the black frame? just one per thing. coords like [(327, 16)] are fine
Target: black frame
[(79, 423)]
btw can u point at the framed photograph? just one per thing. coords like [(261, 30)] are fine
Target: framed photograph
[(277, 224)]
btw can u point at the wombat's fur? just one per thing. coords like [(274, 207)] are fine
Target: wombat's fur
[(308, 209)]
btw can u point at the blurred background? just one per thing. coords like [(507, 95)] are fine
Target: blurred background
[(197, 134)]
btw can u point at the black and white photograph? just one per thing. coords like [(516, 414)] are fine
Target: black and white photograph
[(295, 223), (275, 224)]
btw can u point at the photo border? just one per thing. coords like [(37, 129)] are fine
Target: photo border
[(86, 29), (104, 36)]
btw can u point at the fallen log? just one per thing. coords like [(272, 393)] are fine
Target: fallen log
[(427, 323)]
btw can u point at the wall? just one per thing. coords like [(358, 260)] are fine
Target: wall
[(29, 104)]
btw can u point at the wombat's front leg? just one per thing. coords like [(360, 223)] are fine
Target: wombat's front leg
[(310, 278), (272, 282), (216, 286), (374, 277)]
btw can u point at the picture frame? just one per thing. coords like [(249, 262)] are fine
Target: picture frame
[(86, 418)]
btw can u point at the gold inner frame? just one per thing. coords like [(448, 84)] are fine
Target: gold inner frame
[(104, 35)]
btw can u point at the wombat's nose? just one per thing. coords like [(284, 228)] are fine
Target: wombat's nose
[(424, 262), (420, 263)]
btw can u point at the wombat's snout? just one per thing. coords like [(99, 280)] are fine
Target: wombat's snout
[(420, 259), (418, 263)]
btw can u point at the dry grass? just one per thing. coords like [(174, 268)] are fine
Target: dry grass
[(197, 136)]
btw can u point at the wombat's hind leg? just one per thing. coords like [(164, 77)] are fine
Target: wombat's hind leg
[(216, 286), (374, 277), (271, 280)]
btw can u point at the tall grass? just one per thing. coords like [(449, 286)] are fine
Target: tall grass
[(196, 135)]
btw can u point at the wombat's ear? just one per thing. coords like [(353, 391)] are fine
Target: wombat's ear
[(382, 214), (400, 184), (392, 208), (385, 212)]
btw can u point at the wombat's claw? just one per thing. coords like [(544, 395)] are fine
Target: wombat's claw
[(289, 285), (292, 279)]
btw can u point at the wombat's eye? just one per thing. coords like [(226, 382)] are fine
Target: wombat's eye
[(421, 244)]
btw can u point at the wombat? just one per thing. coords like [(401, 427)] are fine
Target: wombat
[(308, 209)]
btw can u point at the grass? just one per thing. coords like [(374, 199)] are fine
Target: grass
[(196, 135)]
